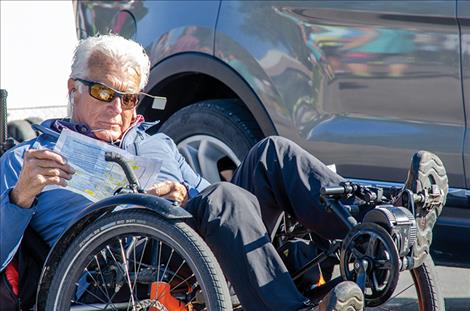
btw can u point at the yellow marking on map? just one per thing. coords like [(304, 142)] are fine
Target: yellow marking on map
[(90, 192)]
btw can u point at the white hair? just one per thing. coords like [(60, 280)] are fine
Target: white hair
[(124, 51)]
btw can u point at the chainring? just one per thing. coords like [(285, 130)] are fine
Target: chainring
[(371, 243)]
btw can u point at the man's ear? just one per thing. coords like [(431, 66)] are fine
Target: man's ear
[(71, 85)]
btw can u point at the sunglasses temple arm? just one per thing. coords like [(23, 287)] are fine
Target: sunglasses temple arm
[(153, 96)]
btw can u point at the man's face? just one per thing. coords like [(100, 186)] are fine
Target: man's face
[(107, 120)]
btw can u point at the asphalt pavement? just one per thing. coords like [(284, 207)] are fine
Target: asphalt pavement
[(454, 286)]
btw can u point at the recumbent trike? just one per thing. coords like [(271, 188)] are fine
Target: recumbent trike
[(134, 251)]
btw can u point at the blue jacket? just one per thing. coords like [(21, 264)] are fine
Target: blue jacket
[(56, 209)]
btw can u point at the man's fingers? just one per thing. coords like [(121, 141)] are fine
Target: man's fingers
[(40, 181), (45, 154), (170, 190), (180, 188), (174, 196), (53, 172), (56, 180), (162, 188), (52, 164), (177, 197)]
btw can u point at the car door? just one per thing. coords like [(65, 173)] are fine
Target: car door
[(464, 21), (362, 84), (393, 87)]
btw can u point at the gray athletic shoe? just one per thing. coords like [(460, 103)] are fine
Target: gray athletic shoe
[(346, 296), (426, 175)]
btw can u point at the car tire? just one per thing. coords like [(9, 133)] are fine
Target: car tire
[(214, 136), (20, 130)]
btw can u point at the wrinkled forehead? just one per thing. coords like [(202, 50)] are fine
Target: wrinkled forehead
[(113, 72)]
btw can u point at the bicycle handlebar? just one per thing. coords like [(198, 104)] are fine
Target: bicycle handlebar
[(131, 178), (342, 189)]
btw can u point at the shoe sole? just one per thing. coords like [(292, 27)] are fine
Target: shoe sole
[(426, 169), (346, 296)]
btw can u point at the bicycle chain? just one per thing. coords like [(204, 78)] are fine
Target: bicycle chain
[(150, 303)]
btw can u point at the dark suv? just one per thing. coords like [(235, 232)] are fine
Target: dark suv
[(359, 84)]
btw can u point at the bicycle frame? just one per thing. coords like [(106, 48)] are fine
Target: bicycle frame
[(373, 225)]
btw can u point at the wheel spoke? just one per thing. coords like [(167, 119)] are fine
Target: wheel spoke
[(190, 154), (118, 264), (139, 264), (207, 158), (133, 245), (401, 292), (102, 278), (176, 272), (91, 293), (371, 246), (138, 255), (376, 282), (94, 306), (356, 253), (167, 263), (203, 154), (159, 258), (182, 282), (382, 264), (126, 267), (86, 307)]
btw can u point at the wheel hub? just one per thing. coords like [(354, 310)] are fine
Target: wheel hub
[(370, 258)]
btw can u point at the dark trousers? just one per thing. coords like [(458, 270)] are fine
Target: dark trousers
[(236, 219)]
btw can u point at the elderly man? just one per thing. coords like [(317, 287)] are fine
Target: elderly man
[(107, 75)]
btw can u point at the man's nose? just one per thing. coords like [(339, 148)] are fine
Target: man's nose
[(116, 104)]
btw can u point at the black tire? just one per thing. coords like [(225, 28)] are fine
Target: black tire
[(227, 121), (20, 130), (114, 226), (428, 295)]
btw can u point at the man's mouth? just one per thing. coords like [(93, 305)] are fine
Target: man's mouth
[(109, 124)]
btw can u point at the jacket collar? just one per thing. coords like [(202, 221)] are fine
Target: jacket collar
[(53, 127)]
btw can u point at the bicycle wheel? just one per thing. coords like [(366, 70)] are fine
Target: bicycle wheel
[(135, 260), (419, 290), (385, 287)]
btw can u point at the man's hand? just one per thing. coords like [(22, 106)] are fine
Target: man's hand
[(40, 168), (170, 190)]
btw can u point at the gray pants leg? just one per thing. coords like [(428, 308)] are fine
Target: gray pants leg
[(229, 219), (283, 177)]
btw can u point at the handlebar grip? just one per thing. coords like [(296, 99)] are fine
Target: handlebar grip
[(131, 178), (342, 189), (112, 156), (332, 190)]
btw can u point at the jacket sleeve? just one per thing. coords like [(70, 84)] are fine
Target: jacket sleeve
[(13, 219), (192, 180)]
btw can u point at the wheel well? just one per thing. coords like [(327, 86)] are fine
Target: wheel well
[(182, 90)]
